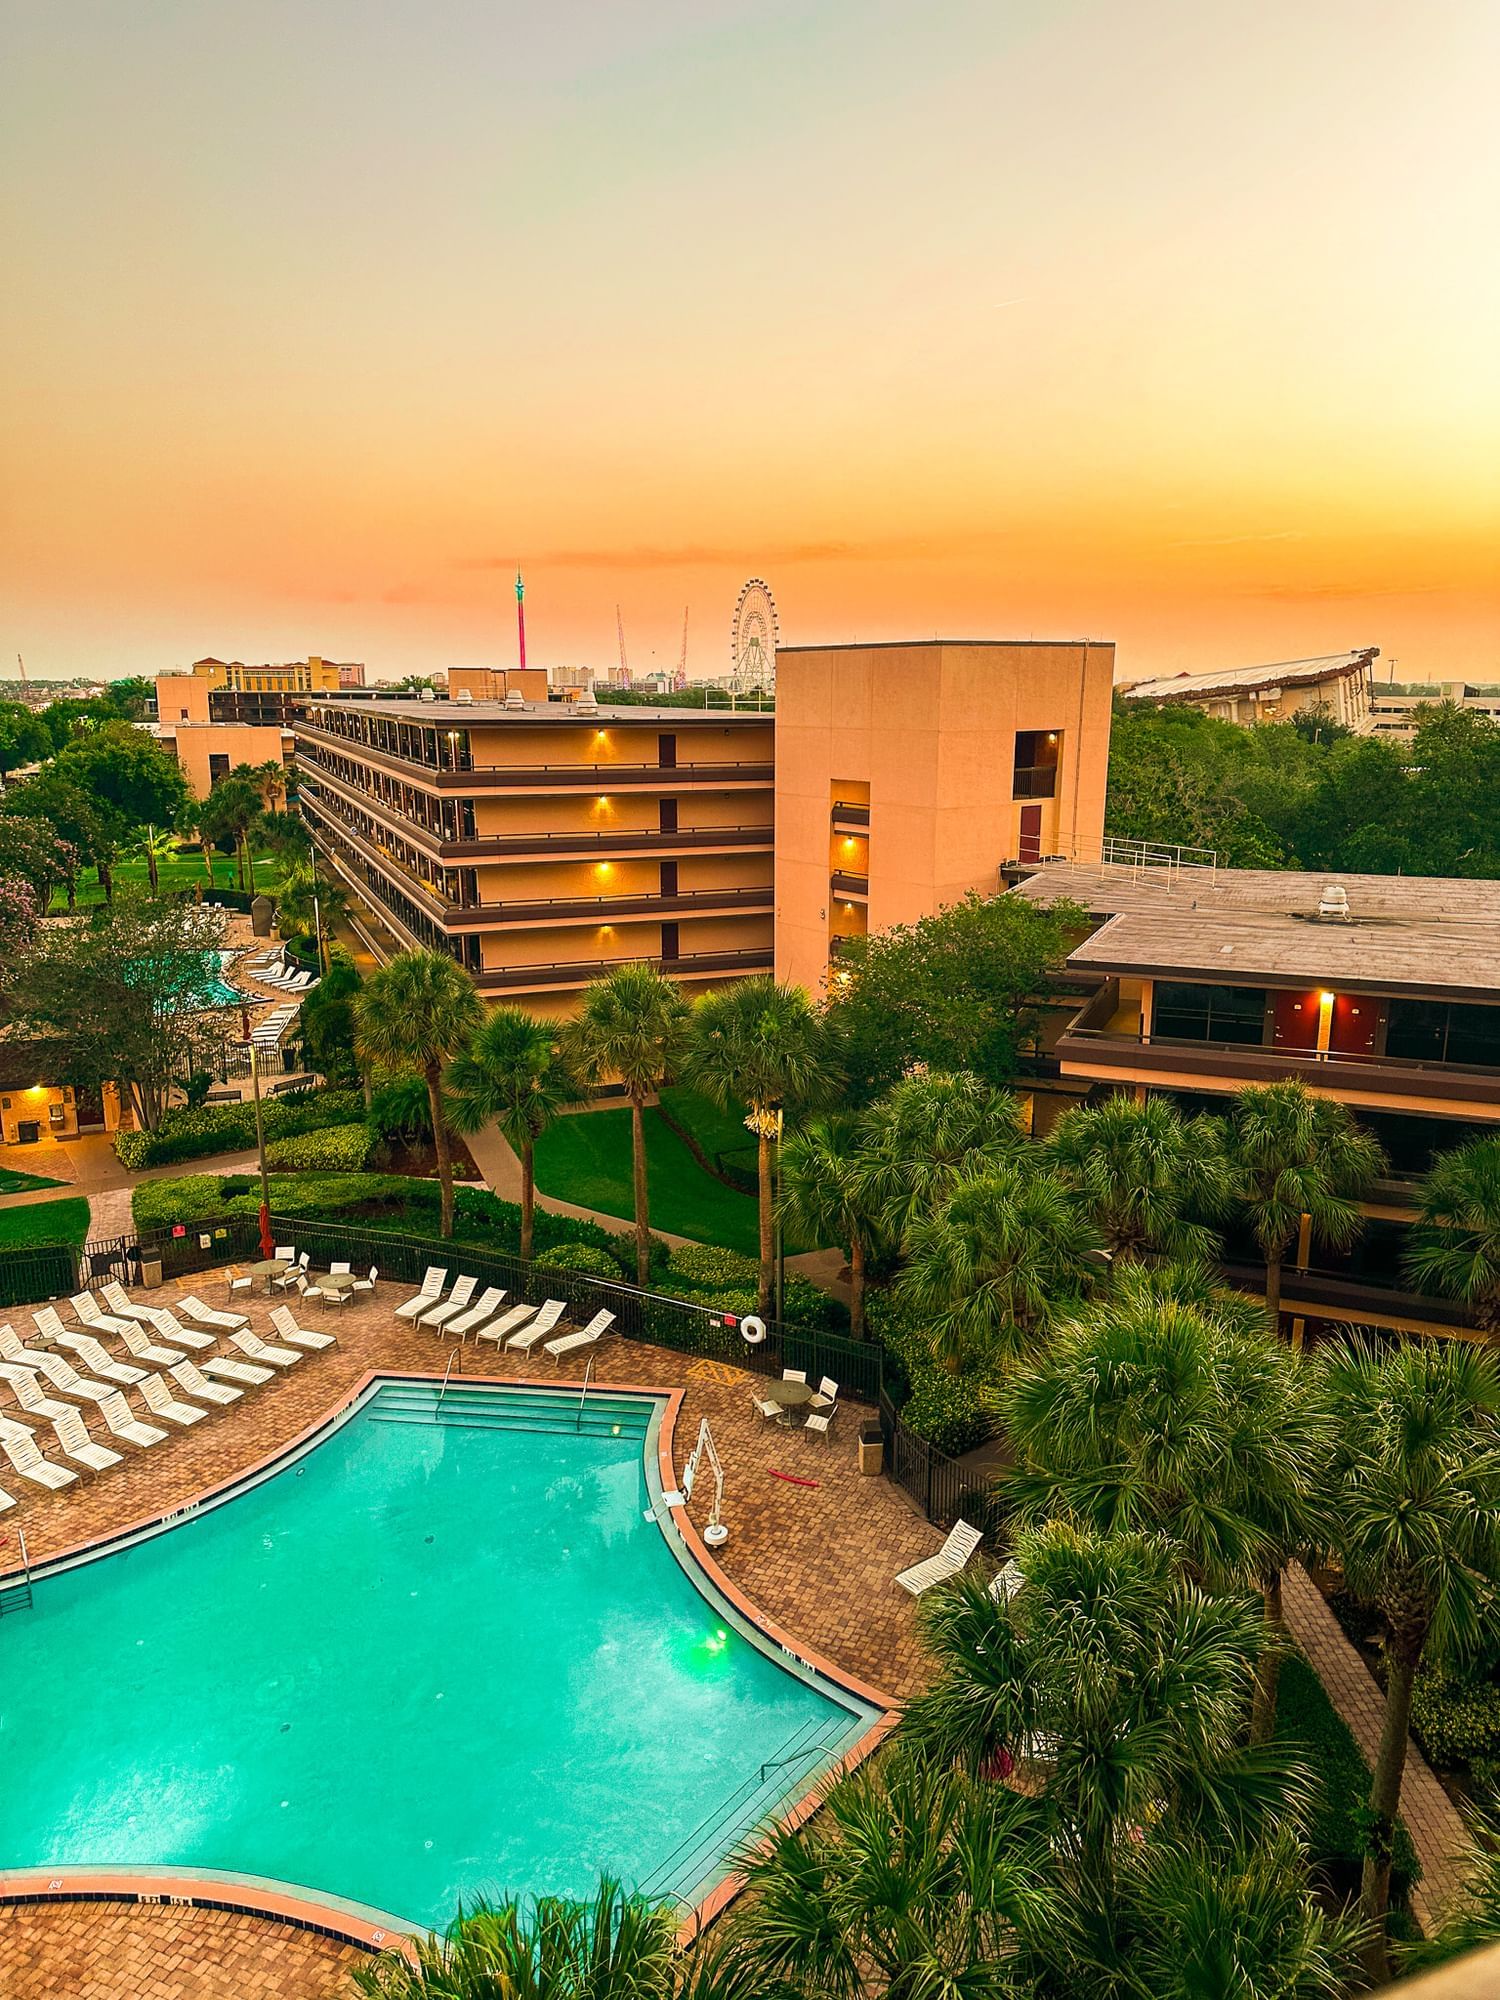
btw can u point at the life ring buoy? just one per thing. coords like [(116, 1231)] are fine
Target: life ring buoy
[(752, 1330)]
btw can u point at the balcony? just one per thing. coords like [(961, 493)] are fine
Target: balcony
[(855, 888), (458, 772), (1104, 1040), (691, 965), (605, 909), (847, 814), (1034, 781)]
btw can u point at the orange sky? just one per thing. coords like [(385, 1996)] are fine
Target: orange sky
[(1167, 323)]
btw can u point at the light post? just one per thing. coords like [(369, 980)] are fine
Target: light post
[(260, 1147), (780, 1248)]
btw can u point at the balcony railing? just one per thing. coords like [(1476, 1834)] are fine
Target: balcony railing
[(847, 813), (688, 965), (457, 770), (1034, 781), (686, 902), (850, 885)]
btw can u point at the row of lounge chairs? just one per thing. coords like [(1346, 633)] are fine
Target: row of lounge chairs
[(174, 1386), (519, 1328), (272, 969)]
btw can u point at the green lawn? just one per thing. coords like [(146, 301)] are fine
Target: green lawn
[(586, 1159), (13, 1183), (44, 1222), (181, 871)]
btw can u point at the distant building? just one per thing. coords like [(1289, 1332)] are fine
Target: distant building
[(1338, 682), (907, 775), (495, 683), (570, 680), (1394, 704), (211, 729), (310, 676)]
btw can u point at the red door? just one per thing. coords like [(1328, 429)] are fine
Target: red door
[(1031, 833)]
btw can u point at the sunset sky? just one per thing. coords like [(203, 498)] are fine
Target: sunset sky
[(1166, 322)]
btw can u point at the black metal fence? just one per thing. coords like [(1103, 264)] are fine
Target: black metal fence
[(941, 1486)]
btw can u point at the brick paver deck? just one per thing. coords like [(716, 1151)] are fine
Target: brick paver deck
[(819, 1558), (115, 1951), (1437, 1831)]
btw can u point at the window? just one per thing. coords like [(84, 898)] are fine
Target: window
[(1035, 774), (1209, 1013), (1444, 1031)]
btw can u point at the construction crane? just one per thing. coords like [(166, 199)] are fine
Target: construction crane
[(624, 662), (22, 665), (679, 681)]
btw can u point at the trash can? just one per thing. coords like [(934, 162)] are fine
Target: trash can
[(150, 1273), (871, 1449)]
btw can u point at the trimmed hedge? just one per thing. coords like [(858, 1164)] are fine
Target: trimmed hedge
[(226, 1128), (951, 1412), (1456, 1719), (729, 1283), (1306, 1719), (334, 1149), (579, 1257)]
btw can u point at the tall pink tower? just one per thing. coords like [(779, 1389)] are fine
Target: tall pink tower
[(521, 614)]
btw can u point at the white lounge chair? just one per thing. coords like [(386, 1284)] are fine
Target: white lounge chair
[(123, 1306), (285, 1322), (190, 1377), (75, 1443), (961, 1543), (63, 1375), (122, 1420), (27, 1391), (167, 1322), (484, 1308), (534, 1334), (586, 1336), (431, 1292), (5, 1500), (500, 1330), (145, 1349), (89, 1314), (262, 1351), (235, 1371), (203, 1315), (161, 1402), (91, 1352), (450, 1307), (19, 1447)]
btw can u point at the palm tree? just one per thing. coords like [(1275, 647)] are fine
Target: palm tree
[(514, 1074), (1003, 1248), (632, 1029), (156, 846), (1299, 1156), (1416, 1500), (307, 901), (418, 1012), (927, 1131), (825, 1194), (229, 812), (616, 1947), (1455, 1246), (1169, 1409), (1145, 1173), (759, 1043)]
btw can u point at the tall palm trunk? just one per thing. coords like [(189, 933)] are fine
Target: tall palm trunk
[(440, 1145), (151, 870), (638, 1174), (528, 1197), (106, 876), (856, 1288), (767, 1279), (1268, 1666), (1273, 1292), (1385, 1798)]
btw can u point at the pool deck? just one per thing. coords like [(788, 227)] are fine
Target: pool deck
[(814, 1546)]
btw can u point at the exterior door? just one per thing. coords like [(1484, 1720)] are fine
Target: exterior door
[(666, 752), (1031, 833), (669, 878), (670, 945)]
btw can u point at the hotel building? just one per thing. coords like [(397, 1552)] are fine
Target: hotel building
[(542, 843), (1379, 991), (907, 775)]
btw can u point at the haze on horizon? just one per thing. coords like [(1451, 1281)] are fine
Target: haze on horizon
[(1171, 325)]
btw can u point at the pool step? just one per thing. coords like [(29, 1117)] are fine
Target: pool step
[(563, 1412)]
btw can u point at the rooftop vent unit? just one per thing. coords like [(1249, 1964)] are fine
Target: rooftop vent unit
[(464, 698), (427, 695), (586, 705), (1333, 904), (515, 699)]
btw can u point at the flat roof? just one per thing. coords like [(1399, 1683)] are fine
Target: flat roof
[(1433, 936), (919, 645), (449, 714), (1246, 680)]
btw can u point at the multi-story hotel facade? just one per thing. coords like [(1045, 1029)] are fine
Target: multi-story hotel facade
[(542, 843)]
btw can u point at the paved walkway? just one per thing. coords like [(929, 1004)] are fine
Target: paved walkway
[(1435, 1827), (496, 1159)]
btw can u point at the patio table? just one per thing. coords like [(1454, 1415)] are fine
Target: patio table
[(269, 1268), (791, 1396)]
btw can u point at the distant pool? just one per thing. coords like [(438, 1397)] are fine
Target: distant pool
[(441, 1652)]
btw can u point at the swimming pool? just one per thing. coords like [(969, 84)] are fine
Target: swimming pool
[(441, 1651)]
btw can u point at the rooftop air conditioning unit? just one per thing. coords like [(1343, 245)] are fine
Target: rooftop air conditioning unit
[(427, 695), (515, 699), (464, 698), (1333, 904)]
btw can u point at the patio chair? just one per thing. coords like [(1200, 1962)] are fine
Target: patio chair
[(239, 1281), (285, 1322), (794, 1374), (95, 1356), (484, 1308), (261, 1351), (203, 1315), (74, 1442), (827, 1396), (86, 1311), (191, 1378), (531, 1336), (20, 1447), (296, 1268), (586, 1336), (161, 1402), (770, 1411), (449, 1307), (244, 1372), (122, 1420), (432, 1290), (367, 1284), (59, 1372), (962, 1541), (820, 1423)]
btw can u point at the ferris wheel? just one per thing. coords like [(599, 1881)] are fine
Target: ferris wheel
[(752, 638)]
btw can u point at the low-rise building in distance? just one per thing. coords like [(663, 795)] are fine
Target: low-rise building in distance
[(1336, 682), (1395, 706)]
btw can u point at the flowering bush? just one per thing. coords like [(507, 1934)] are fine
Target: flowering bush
[(18, 915)]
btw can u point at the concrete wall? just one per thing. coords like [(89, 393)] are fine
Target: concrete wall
[(196, 744), (927, 734)]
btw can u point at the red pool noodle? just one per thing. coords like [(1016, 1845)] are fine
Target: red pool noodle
[(792, 1480)]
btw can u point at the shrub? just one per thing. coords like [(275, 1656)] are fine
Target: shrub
[(580, 1257), (947, 1411), (722, 1279), (1456, 1719), (1306, 1719), (223, 1128), (702, 1267), (337, 1149), (400, 1110)]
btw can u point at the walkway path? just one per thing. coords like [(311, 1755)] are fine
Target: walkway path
[(496, 1159), (1435, 1827), (87, 1166)]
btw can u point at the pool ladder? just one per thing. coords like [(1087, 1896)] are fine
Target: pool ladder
[(588, 1374), (456, 1357), (18, 1597)]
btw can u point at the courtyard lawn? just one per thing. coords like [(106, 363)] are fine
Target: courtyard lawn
[(41, 1222), (177, 871), (585, 1158), (12, 1182)]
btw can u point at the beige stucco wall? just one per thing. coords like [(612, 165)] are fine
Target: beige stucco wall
[(196, 743), (930, 730)]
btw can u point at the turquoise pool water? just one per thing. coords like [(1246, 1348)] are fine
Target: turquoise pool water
[(436, 1654)]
